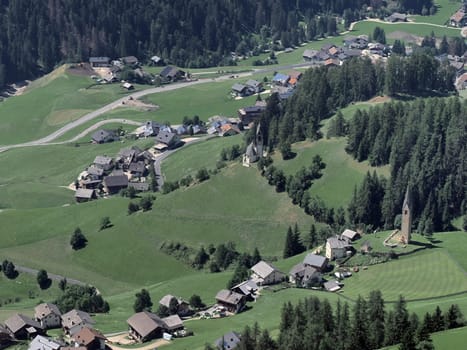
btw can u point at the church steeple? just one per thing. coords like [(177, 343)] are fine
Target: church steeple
[(406, 224)]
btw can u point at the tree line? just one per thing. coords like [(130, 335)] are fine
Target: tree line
[(313, 324), (323, 90), (36, 35), (424, 142)]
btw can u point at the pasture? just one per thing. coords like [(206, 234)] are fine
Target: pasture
[(444, 10)]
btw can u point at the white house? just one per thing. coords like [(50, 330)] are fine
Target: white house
[(264, 273)]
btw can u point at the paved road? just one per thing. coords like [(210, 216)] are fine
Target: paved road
[(92, 115)]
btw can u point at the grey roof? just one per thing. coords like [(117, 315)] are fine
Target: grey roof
[(102, 135), (173, 322), (228, 341), (145, 322), (116, 181), (102, 160), (139, 186), (352, 52), (349, 234), (166, 300), (337, 243), (46, 309), (129, 60), (18, 321), (99, 59), (238, 87), (315, 260), (407, 199), (246, 287), (84, 193), (76, 317), (331, 285), (298, 270), (253, 83), (251, 151), (138, 167), (44, 343), (229, 297), (165, 137), (310, 53), (263, 269), (93, 170)]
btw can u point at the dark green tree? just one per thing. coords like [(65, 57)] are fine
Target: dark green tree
[(143, 301), (43, 279), (78, 240)]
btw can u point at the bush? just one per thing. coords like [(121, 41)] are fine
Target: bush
[(78, 240), (132, 208), (202, 175), (146, 203)]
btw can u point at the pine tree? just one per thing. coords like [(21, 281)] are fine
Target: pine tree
[(376, 316), (143, 301), (289, 244)]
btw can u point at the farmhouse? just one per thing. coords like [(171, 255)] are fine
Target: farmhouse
[(247, 288), (113, 184), (264, 273), (304, 275), (232, 301), (129, 60), (173, 323), (459, 19), (139, 186), (183, 308), (103, 136), (85, 195), (95, 172), (151, 128), (23, 327), (240, 90), (337, 247), (90, 339), (396, 17), (103, 162), (145, 325), (228, 130), (254, 86), (172, 74), (48, 315), (45, 343), (75, 318), (99, 62), (310, 55), (350, 235), (280, 79), (137, 169), (317, 261), (228, 341), (250, 114), (168, 138)]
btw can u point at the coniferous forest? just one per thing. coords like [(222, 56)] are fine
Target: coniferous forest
[(36, 35), (425, 143), (313, 324)]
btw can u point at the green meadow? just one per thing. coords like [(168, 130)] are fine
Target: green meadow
[(444, 10), (51, 102)]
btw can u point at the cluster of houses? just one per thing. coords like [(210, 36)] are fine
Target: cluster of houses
[(77, 327), (354, 46), (107, 175), (110, 70), (459, 19), (251, 87)]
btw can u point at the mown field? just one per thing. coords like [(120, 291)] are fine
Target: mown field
[(444, 10)]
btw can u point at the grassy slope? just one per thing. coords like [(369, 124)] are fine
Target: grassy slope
[(194, 157), (445, 9), (453, 339), (341, 174), (49, 103)]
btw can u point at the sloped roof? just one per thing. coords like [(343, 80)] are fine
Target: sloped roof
[(102, 135), (315, 260), (93, 170), (165, 300), (44, 343), (87, 335), (229, 297), (331, 286), (116, 181), (46, 309), (263, 269), (18, 321), (75, 317), (253, 83), (349, 234), (165, 137), (228, 341), (310, 53), (280, 77), (84, 193), (238, 87), (145, 322), (102, 160), (337, 243), (246, 287), (173, 322)]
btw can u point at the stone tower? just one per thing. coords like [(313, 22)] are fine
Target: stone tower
[(406, 222), (259, 141)]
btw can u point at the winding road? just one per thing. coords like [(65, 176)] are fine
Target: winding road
[(48, 140)]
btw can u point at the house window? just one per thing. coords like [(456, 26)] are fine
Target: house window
[(406, 212)]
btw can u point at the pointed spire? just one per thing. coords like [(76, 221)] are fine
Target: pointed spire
[(407, 199)]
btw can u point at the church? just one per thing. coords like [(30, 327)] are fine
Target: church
[(254, 151)]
